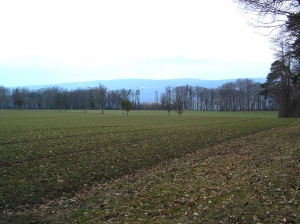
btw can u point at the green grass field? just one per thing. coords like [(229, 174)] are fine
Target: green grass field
[(53, 156)]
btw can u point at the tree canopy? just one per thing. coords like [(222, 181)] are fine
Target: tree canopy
[(126, 105), (282, 83)]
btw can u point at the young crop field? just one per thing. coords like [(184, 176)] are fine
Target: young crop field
[(148, 167)]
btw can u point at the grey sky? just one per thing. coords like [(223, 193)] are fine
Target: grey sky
[(48, 42)]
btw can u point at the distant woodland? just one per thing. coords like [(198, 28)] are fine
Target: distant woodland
[(241, 95)]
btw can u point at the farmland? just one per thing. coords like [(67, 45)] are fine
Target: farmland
[(140, 167)]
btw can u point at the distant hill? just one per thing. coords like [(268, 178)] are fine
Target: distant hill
[(147, 87)]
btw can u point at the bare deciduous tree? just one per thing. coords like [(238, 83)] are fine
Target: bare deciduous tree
[(100, 96), (3, 96), (166, 99)]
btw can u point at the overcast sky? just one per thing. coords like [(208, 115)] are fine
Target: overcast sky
[(56, 41)]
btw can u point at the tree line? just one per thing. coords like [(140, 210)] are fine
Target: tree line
[(241, 95), (55, 98)]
